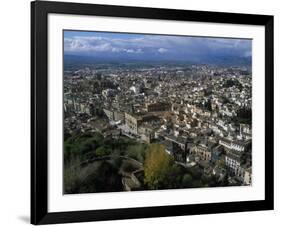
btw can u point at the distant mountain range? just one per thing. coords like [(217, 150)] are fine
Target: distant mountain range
[(220, 60)]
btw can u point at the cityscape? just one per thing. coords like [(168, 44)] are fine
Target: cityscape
[(153, 112)]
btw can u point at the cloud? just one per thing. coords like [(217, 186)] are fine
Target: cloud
[(100, 44), (162, 50), (176, 46)]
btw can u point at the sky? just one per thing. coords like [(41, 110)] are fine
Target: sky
[(154, 47)]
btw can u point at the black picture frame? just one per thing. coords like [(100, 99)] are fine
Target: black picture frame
[(39, 112)]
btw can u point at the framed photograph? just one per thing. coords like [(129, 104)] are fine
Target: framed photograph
[(145, 112)]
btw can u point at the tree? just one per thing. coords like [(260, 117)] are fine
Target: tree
[(157, 166), (102, 151), (81, 146), (103, 178), (187, 180), (137, 152), (71, 176), (196, 173), (244, 115), (174, 177), (225, 180)]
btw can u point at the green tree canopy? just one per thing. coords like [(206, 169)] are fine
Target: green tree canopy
[(102, 151), (187, 180)]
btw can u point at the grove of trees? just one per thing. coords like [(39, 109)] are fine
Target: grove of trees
[(84, 174)]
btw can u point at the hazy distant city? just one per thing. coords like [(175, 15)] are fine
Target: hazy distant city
[(149, 112)]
